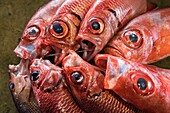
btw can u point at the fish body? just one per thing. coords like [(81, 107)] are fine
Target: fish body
[(145, 39), (144, 86), (32, 44), (86, 83), (20, 87), (50, 88), (103, 20), (64, 27)]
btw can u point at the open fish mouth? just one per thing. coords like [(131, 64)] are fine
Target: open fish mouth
[(54, 56), (86, 50)]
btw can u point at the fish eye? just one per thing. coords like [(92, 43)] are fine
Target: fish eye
[(96, 26), (133, 39), (35, 75), (142, 83), (12, 86), (77, 77), (59, 29), (32, 32)]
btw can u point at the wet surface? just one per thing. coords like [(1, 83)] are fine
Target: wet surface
[(14, 16)]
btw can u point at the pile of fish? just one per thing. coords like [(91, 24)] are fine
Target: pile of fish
[(92, 56)]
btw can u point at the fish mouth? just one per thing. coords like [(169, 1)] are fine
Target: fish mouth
[(31, 51), (54, 56), (87, 50), (115, 51)]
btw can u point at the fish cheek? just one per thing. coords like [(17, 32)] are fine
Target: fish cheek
[(77, 81)]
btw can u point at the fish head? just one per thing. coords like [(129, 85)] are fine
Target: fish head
[(62, 32), (134, 42), (44, 75), (20, 87), (84, 79), (19, 80), (33, 42), (96, 29), (133, 82), (50, 88)]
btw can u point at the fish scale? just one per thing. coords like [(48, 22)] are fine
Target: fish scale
[(77, 6)]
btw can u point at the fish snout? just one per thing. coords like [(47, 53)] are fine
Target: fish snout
[(115, 68), (25, 52)]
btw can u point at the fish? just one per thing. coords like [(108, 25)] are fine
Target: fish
[(144, 86), (32, 43), (50, 88), (20, 88), (86, 83), (103, 20), (64, 27), (145, 39)]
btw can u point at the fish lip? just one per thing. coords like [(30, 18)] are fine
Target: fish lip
[(116, 51), (22, 53)]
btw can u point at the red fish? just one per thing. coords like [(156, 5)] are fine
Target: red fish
[(50, 88), (65, 25), (145, 39), (86, 84), (32, 44), (20, 87), (144, 86), (103, 20)]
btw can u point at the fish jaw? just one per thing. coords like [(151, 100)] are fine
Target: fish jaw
[(115, 67)]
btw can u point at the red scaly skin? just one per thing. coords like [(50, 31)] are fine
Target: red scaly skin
[(103, 20), (20, 87), (86, 84), (146, 87), (150, 38), (65, 25), (50, 89), (32, 44)]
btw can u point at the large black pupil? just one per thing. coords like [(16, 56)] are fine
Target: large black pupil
[(76, 76), (35, 75), (57, 28), (95, 25), (142, 84), (133, 37), (32, 32), (11, 86)]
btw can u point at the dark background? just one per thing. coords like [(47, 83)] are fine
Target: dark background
[(14, 15)]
